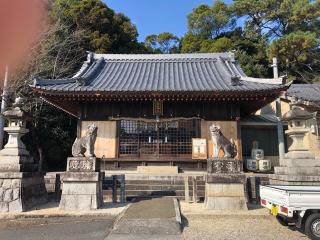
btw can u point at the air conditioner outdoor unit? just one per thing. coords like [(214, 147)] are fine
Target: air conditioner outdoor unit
[(252, 165), (264, 165), (257, 154)]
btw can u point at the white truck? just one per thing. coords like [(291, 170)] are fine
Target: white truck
[(294, 204)]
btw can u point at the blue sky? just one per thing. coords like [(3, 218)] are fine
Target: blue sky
[(156, 16)]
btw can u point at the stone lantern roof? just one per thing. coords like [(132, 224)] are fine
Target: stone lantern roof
[(296, 113), (15, 113)]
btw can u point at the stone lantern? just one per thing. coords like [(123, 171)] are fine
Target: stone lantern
[(14, 151), (21, 185), (296, 119), (299, 166)]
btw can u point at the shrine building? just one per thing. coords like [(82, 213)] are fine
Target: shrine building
[(155, 110)]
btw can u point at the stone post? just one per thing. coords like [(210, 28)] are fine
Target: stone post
[(280, 131), (21, 185)]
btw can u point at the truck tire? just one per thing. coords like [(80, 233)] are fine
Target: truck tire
[(312, 226)]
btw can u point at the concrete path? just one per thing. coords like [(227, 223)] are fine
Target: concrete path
[(51, 210), (149, 219)]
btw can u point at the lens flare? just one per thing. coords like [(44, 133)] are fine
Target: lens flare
[(21, 23)]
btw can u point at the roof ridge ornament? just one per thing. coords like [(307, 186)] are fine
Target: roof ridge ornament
[(90, 57), (273, 81), (81, 81), (85, 66), (235, 80)]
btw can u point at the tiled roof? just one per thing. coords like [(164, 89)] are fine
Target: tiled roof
[(305, 92), (214, 72)]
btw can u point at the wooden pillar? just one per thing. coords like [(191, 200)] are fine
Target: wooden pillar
[(79, 122), (239, 140)]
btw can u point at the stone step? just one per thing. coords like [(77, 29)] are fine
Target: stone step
[(155, 183), (153, 194), (159, 187), (308, 171), (144, 177)]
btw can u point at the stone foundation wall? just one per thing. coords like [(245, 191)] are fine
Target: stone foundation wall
[(9, 194), (18, 195), (253, 186), (53, 185)]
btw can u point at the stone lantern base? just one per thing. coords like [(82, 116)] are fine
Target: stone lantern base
[(298, 168), (21, 185), (20, 191)]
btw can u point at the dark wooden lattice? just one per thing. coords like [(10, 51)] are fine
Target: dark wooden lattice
[(152, 139)]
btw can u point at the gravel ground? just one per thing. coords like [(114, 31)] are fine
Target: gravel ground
[(218, 227)]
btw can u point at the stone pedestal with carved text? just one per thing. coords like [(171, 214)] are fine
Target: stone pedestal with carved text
[(225, 184), (82, 184)]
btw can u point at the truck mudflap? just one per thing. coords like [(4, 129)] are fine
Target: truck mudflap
[(299, 219)]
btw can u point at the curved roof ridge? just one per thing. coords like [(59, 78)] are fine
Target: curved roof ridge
[(211, 72), (146, 57)]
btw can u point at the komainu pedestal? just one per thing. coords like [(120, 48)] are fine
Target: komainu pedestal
[(82, 184), (225, 184)]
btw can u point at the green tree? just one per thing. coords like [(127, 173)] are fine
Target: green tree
[(291, 27), (75, 27), (104, 30), (210, 22), (286, 29), (251, 53), (221, 44), (300, 53), (191, 43), (163, 43)]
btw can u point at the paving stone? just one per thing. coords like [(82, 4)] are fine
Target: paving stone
[(8, 195), (16, 194), (6, 183), (16, 183), (1, 194), (15, 206), (4, 207)]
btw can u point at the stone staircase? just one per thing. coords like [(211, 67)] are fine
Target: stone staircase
[(138, 186), (153, 186)]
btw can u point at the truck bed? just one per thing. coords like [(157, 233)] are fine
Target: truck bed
[(295, 197)]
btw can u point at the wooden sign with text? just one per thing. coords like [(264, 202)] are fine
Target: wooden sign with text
[(199, 148)]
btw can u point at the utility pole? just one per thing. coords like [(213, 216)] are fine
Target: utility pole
[(3, 105), (279, 115)]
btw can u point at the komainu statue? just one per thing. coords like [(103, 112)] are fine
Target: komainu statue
[(221, 142), (84, 146)]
